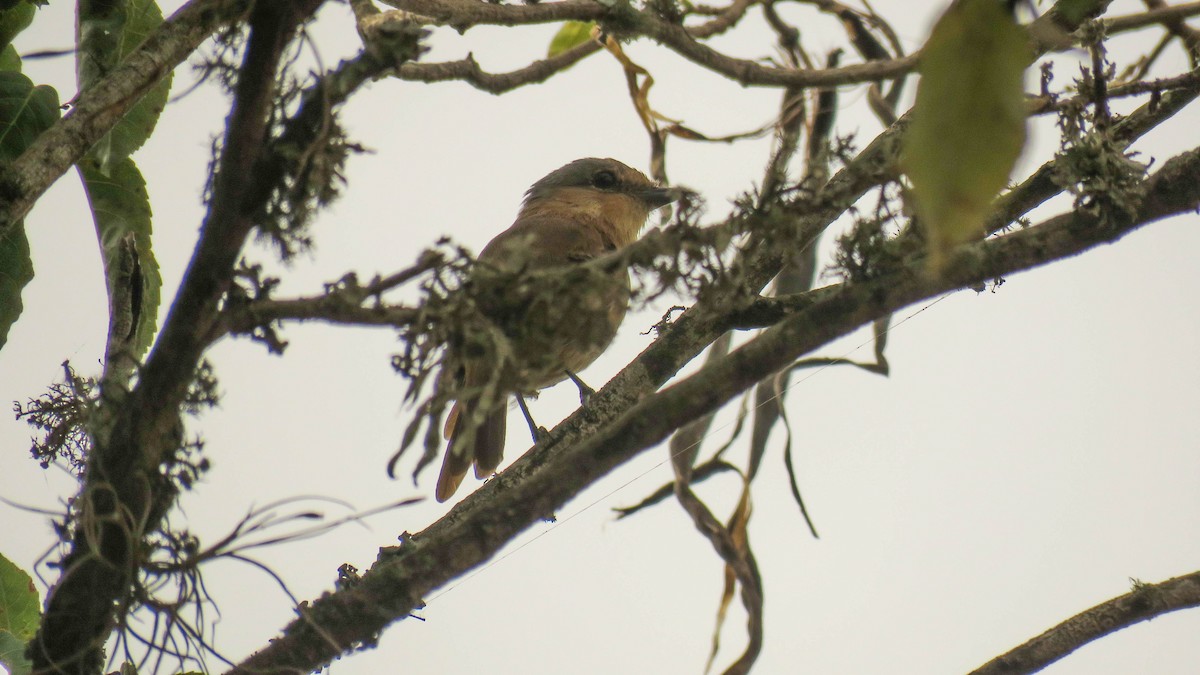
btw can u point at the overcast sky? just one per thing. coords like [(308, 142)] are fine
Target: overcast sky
[(1032, 450)]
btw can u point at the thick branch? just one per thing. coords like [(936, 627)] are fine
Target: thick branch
[(124, 496), (1144, 602), (239, 188)]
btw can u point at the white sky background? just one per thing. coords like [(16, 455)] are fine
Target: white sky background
[(1033, 449)]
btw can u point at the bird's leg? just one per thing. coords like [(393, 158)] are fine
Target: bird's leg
[(539, 433), (585, 392)]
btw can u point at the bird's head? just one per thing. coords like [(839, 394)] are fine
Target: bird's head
[(615, 196)]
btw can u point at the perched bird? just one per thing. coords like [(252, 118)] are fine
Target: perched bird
[(555, 316)]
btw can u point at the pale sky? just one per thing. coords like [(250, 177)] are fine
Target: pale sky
[(1033, 449)]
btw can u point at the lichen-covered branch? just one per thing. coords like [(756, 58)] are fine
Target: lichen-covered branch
[(343, 303), (124, 496), (98, 109)]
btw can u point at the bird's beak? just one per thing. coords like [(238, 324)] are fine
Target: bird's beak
[(655, 197)]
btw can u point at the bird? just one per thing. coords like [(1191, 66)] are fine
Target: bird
[(554, 315)]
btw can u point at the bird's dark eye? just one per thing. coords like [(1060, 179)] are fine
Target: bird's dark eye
[(604, 179)]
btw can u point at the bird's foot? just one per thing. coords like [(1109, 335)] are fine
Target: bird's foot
[(539, 433), (585, 392)]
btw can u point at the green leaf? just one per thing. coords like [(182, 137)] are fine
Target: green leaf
[(25, 112), (10, 60), (19, 616), (572, 34), (1075, 11), (968, 123), (16, 270), (13, 20), (12, 655), (108, 32), (121, 211)]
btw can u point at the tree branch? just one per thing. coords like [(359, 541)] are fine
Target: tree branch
[(106, 102), (463, 14), (723, 20), (747, 72), (1168, 16), (468, 70), (1144, 602), (342, 303), (124, 495)]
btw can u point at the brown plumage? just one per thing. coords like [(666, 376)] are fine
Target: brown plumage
[(556, 316)]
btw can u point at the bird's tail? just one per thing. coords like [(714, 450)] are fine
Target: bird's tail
[(482, 446)]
